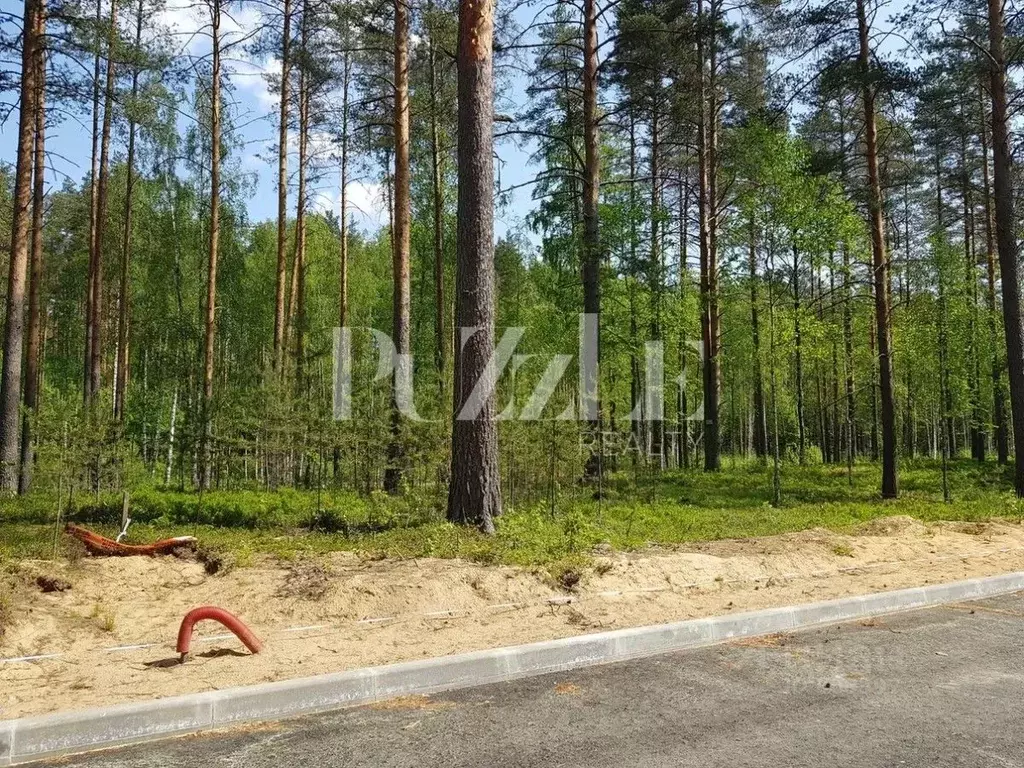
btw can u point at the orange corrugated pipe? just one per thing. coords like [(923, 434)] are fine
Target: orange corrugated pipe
[(229, 620), (101, 545)]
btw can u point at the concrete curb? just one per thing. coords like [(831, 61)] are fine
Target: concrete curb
[(34, 738)]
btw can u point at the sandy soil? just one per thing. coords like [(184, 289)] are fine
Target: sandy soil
[(360, 613)]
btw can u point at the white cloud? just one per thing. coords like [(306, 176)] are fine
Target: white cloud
[(321, 146), (367, 204), (189, 23), (238, 23), (324, 202), (251, 76), (186, 22)]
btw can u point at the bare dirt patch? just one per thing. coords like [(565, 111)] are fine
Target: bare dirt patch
[(776, 640), (406, 703), (349, 612), (308, 579), (567, 689)]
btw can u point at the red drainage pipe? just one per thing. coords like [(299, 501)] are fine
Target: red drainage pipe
[(232, 622), (101, 545)]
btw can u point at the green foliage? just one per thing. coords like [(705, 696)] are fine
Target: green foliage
[(683, 507)]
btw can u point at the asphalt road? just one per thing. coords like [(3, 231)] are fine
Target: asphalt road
[(936, 688)]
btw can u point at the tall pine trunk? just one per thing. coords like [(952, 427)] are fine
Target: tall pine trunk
[(401, 244), (299, 263), (437, 179), (95, 361), (211, 273), (33, 352), (90, 292), (124, 292), (837, 448), (977, 417), (760, 427), (655, 280), (707, 160), (1006, 238), (591, 276), (880, 264), (682, 417), (14, 326), (282, 191), (474, 495), (801, 421), (995, 343), (343, 197)]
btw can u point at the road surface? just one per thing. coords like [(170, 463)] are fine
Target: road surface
[(935, 688)]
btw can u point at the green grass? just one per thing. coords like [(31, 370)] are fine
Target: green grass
[(676, 507)]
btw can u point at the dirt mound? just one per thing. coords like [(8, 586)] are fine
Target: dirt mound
[(113, 633), (897, 525), (976, 528)]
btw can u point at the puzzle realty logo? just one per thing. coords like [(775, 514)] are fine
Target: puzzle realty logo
[(505, 360)]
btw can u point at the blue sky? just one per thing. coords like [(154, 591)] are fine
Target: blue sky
[(255, 111)]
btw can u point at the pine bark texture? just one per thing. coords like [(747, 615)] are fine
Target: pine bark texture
[(14, 326), (880, 265), (33, 352), (591, 231), (401, 307), (474, 495), (211, 276), (95, 360), (124, 306), (282, 191), (1006, 238)]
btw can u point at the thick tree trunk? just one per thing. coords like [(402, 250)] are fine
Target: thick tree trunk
[(880, 265), (474, 495), (401, 244), (708, 160), (211, 277), (14, 328), (95, 362), (282, 191), (945, 393), (124, 305), (995, 343), (33, 352), (590, 398), (90, 292), (1006, 239)]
